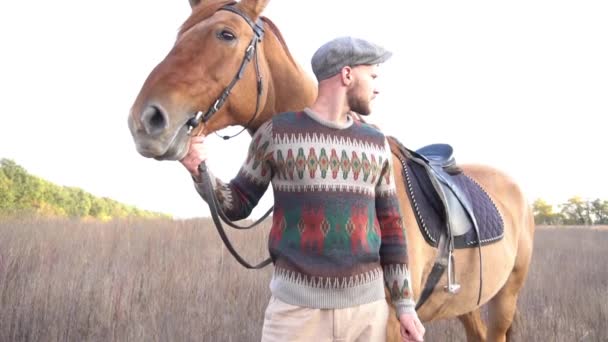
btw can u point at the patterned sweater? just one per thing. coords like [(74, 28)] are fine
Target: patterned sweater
[(337, 235)]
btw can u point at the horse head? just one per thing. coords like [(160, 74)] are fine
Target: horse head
[(229, 66)]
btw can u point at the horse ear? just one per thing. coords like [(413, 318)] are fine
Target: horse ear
[(194, 3), (254, 7)]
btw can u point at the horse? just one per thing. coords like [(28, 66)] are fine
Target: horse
[(230, 66)]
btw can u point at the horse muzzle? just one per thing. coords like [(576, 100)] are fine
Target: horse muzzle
[(154, 137)]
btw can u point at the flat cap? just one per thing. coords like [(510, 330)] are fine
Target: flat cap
[(334, 55)]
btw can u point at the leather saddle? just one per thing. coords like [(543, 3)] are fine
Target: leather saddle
[(439, 165), (449, 207)]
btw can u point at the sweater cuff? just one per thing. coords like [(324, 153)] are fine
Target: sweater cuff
[(405, 306), (398, 282), (202, 189)]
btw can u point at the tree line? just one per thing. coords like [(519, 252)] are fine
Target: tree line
[(575, 211), (23, 193)]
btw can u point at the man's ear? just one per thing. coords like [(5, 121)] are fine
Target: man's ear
[(347, 75)]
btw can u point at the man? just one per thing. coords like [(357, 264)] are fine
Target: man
[(337, 236)]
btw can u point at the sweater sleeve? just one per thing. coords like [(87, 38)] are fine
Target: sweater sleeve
[(393, 248), (238, 197)]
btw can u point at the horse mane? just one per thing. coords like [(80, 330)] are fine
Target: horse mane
[(201, 13), (280, 38)]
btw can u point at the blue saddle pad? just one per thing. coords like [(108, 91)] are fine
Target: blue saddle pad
[(430, 212)]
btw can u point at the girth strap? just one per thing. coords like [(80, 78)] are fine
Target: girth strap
[(436, 272)]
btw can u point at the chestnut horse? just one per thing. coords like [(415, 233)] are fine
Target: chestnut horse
[(209, 72)]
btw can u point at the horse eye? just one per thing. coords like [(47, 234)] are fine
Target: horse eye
[(226, 35)]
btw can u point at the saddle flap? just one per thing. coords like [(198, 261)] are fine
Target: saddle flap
[(460, 221), (459, 215)]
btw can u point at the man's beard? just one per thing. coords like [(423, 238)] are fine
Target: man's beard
[(358, 104)]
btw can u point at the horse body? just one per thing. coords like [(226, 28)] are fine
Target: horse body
[(203, 61)]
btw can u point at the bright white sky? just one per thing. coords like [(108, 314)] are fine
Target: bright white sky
[(520, 85)]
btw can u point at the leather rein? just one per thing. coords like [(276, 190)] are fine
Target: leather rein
[(216, 211)]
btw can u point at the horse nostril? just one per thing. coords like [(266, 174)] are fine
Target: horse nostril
[(154, 120)]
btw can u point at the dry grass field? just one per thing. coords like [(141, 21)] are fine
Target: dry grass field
[(163, 280)]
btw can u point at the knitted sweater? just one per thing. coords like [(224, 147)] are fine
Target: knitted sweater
[(337, 235)]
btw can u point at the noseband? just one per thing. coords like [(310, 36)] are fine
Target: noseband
[(250, 53)]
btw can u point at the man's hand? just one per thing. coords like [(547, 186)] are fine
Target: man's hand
[(412, 329), (197, 153)]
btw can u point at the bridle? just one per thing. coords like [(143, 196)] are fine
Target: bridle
[(250, 53), (216, 212)]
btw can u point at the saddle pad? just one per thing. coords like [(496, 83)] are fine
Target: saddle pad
[(430, 213)]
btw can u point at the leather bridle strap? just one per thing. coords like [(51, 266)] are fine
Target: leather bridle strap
[(250, 53), (218, 215)]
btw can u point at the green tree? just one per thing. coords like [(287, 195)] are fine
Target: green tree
[(543, 213), (99, 208), (7, 196), (577, 211), (599, 209), (21, 192), (19, 181), (77, 202)]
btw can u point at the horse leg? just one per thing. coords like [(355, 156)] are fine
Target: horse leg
[(503, 306), (501, 312), (474, 326)]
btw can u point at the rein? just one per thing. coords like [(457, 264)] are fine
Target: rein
[(218, 216), (216, 212)]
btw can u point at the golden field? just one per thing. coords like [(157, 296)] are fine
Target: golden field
[(166, 280)]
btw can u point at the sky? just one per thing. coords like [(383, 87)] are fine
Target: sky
[(518, 85)]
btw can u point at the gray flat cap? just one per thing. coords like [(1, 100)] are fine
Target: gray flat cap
[(334, 55)]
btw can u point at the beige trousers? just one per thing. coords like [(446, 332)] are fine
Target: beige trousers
[(288, 323)]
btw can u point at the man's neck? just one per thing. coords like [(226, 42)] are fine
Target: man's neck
[(331, 108)]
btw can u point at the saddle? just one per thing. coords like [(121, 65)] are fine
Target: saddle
[(436, 163), (452, 210)]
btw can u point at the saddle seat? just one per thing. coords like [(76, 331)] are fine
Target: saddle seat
[(438, 154)]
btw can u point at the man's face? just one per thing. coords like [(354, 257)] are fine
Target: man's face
[(363, 89)]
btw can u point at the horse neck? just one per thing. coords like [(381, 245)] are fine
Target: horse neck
[(290, 88)]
